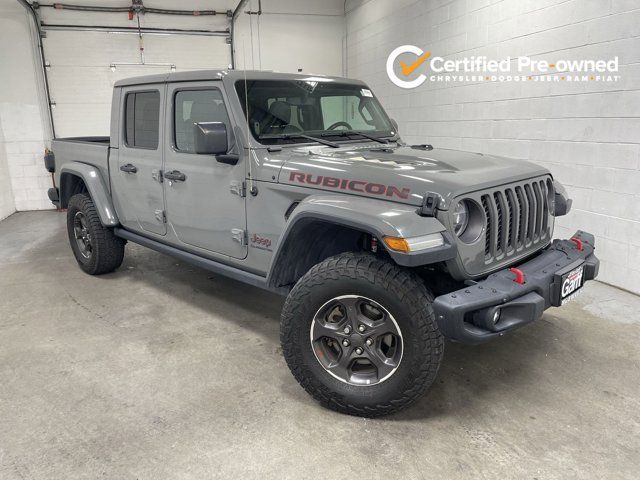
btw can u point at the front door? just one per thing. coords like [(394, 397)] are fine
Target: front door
[(138, 180), (205, 204)]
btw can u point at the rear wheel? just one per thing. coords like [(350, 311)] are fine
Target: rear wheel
[(96, 248), (360, 336)]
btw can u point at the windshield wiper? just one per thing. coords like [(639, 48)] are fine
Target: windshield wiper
[(346, 133), (287, 136)]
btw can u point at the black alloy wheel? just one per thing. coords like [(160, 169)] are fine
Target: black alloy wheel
[(356, 340)]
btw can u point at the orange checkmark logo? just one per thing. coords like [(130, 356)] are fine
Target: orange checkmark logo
[(408, 69), (399, 78)]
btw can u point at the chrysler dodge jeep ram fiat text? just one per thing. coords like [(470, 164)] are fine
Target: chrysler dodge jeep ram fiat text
[(302, 185)]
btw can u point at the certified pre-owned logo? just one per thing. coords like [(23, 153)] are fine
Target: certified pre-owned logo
[(407, 59), (406, 70)]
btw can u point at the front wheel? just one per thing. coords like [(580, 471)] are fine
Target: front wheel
[(360, 336)]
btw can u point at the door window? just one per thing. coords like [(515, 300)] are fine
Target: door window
[(142, 119), (194, 106)]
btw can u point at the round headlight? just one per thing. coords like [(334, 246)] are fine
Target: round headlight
[(460, 218)]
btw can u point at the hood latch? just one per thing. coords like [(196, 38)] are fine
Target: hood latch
[(429, 204)]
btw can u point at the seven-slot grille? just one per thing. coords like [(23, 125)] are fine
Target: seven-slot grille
[(517, 217)]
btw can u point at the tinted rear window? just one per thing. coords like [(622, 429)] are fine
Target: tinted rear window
[(142, 119)]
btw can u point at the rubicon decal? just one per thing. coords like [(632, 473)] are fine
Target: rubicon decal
[(359, 186)]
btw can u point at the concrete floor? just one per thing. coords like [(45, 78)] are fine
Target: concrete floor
[(161, 370)]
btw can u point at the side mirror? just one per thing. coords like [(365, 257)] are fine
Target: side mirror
[(395, 124), (210, 138)]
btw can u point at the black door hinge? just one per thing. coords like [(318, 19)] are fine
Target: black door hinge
[(161, 215), (238, 188)]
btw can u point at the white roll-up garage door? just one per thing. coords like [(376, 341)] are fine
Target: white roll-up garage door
[(84, 65)]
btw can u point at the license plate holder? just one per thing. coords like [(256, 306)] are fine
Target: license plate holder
[(569, 283)]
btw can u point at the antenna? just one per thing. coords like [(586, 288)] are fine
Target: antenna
[(253, 63), (246, 112)]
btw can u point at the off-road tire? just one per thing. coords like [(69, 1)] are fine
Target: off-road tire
[(107, 249), (402, 293)]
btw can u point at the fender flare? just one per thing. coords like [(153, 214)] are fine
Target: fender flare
[(376, 217), (96, 186)]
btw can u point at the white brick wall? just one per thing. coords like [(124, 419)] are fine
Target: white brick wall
[(24, 147), (7, 203), (22, 135), (588, 134)]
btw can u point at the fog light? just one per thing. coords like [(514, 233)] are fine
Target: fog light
[(488, 319)]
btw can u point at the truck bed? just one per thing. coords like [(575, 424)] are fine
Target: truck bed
[(90, 150)]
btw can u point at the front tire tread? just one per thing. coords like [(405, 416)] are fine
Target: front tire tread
[(406, 286)]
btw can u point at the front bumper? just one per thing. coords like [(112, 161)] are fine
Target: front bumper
[(466, 315)]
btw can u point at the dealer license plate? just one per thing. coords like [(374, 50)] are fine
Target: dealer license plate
[(571, 284)]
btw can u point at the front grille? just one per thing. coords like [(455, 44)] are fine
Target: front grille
[(517, 218)]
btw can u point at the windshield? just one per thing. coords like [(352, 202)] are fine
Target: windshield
[(290, 111)]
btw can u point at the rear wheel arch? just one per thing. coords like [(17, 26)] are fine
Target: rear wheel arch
[(77, 177), (70, 185)]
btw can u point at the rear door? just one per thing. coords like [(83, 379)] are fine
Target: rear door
[(207, 208), (138, 179)]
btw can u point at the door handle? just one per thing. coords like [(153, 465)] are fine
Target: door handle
[(129, 168), (175, 176)]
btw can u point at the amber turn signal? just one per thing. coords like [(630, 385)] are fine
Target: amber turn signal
[(414, 244), (397, 244)]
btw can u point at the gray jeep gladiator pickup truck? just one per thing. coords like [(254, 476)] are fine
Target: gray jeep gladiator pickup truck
[(301, 184)]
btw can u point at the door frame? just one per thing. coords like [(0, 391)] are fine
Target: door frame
[(234, 145), (129, 152)]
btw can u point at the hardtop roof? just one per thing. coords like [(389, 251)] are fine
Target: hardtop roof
[(233, 75)]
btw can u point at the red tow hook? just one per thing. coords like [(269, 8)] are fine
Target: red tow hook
[(519, 275), (578, 243)]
